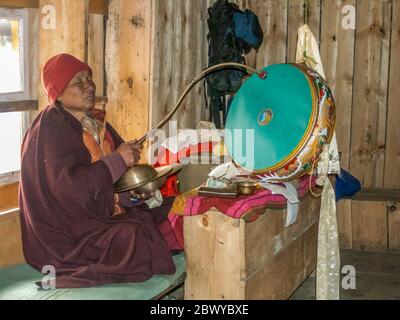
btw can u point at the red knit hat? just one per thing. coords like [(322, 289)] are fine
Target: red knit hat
[(58, 72)]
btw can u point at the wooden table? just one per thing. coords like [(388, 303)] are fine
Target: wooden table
[(230, 259)]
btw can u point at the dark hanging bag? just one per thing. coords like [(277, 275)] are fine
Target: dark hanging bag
[(232, 34)]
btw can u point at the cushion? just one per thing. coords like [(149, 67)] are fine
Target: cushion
[(18, 283)]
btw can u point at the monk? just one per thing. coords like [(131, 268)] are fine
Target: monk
[(70, 217)]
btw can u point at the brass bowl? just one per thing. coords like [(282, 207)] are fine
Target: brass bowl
[(152, 186), (246, 187), (135, 177), (143, 178)]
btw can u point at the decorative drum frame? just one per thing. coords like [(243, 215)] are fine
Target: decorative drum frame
[(315, 122)]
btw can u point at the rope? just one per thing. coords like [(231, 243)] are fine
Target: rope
[(309, 61), (313, 166), (314, 195), (306, 12)]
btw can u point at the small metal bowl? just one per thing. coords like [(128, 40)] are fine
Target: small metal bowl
[(246, 187)]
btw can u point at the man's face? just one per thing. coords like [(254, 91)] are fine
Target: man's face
[(79, 93)]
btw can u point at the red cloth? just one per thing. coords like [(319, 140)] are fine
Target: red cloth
[(167, 157), (58, 72), (170, 188), (66, 206)]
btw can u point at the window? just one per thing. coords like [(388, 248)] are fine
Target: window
[(14, 86), (14, 77), (10, 142)]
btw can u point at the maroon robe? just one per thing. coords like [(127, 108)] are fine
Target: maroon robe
[(66, 206)]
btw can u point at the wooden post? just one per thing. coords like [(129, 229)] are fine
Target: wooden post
[(128, 59), (63, 29)]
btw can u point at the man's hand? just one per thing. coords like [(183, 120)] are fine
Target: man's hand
[(142, 196), (130, 152)]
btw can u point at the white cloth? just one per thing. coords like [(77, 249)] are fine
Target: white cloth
[(156, 201), (328, 256), (290, 193), (227, 171), (206, 132), (308, 52), (223, 175)]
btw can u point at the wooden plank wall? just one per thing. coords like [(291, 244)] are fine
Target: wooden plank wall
[(128, 58), (69, 36), (392, 159), (369, 230), (9, 197), (78, 33), (369, 225), (337, 54), (394, 227), (96, 49), (371, 71), (273, 18), (179, 54), (170, 50), (11, 252)]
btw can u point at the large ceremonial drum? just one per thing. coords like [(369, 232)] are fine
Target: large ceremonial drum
[(277, 127)]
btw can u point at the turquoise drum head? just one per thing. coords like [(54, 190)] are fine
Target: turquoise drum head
[(270, 119)]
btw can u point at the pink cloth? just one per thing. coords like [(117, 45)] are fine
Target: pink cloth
[(177, 226), (237, 208)]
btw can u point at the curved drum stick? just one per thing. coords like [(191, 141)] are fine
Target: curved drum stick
[(201, 75)]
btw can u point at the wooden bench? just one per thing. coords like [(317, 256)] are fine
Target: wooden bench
[(18, 283), (17, 279), (370, 221)]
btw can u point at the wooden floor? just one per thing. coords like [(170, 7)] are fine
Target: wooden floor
[(377, 278)]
